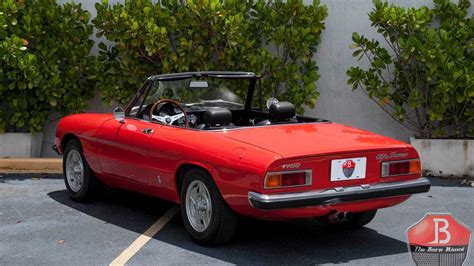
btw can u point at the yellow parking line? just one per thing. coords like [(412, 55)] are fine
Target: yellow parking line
[(129, 252)]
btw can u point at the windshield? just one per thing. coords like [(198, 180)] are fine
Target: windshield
[(203, 91), (196, 91), (190, 99)]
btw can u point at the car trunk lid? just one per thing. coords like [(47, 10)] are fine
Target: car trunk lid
[(302, 140)]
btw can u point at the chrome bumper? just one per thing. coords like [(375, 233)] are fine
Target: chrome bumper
[(337, 195)]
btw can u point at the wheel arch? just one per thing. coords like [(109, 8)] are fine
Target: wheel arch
[(66, 138), (185, 167)]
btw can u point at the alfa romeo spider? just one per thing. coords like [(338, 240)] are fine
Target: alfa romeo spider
[(190, 139)]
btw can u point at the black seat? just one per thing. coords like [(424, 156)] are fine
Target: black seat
[(217, 118), (282, 111), (279, 112)]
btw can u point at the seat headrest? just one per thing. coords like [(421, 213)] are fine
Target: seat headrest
[(217, 117), (282, 110)]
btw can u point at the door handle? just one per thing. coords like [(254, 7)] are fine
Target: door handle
[(147, 130)]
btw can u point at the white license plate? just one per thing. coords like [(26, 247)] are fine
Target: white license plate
[(348, 169)]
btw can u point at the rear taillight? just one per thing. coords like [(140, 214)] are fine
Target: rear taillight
[(405, 167), (288, 179)]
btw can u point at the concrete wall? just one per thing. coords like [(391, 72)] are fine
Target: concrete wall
[(434, 154), (20, 145), (337, 101)]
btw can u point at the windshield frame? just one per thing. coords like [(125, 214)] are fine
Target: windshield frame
[(252, 77)]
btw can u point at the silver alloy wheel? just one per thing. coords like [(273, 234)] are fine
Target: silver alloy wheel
[(198, 205), (74, 170)]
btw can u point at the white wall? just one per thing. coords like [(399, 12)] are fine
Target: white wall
[(337, 101)]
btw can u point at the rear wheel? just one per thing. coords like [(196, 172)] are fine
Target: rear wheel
[(206, 216), (81, 183)]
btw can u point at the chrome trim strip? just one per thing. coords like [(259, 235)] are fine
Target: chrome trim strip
[(219, 74), (337, 195), (250, 127)]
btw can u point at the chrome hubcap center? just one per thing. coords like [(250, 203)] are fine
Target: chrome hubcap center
[(74, 170), (198, 206)]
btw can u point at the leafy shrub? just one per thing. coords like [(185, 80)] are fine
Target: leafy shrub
[(426, 81), (44, 56), (274, 39)]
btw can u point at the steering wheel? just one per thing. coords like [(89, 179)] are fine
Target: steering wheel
[(168, 119)]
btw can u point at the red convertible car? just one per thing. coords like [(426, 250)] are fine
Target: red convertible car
[(189, 138)]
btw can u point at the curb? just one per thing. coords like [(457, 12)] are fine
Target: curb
[(31, 165)]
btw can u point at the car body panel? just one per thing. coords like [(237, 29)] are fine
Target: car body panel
[(84, 127), (147, 157), (297, 140), (123, 149), (167, 149), (236, 159), (235, 166)]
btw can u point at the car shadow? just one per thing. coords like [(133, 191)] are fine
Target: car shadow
[(295, 243), (256, 241), (132, 211)]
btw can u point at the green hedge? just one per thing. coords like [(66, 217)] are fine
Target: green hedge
[(425, 78), (276, 39), (46, 64), (425, 81), (44, 55)]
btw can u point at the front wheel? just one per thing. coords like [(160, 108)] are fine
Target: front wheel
[(81, 183), (206, 216)]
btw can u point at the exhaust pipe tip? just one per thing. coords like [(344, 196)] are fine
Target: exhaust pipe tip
[(340, 216), (349, 215)]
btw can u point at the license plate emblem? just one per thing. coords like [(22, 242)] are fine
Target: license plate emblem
[(348, 168)]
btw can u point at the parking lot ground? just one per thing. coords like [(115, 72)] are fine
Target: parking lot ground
[(40, 225)]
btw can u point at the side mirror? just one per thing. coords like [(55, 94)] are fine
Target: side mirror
[(119, 114)]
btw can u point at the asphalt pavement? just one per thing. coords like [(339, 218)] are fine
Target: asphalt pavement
[(40, 225)]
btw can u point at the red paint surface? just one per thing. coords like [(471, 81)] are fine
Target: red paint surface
[(123, 156)]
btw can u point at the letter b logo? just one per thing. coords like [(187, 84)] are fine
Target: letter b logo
[(438, 239), (441, 230)]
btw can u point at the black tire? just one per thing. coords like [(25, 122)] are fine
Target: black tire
[(223, 220), (357, 220), (91, 186)]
